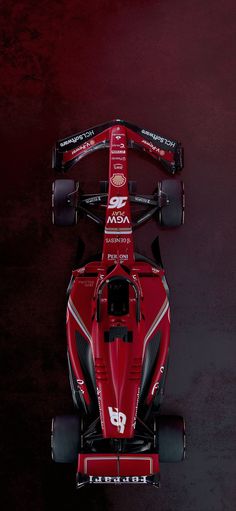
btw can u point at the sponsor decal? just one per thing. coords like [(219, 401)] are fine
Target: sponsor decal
[(118, 151), (121, 146), (79, 383), (77, 138), (99, 405), (114, 256), (150, 144), (118, 180), (118, 137), (136, 408), (113, 230), (120, 158), (93, 199), (163, 140), (154, 148), (157, 383), (86, 283), (84, 146), (117, 202), (119, 219), (117, 419), (142, 199), (118, 240), (118, 166), (155, 387), (118, 479)]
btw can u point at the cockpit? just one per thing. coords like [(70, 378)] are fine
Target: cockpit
[(117, 292), (118, 297)]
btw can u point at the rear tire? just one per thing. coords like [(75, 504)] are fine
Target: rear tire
[(64, 202), (172, 213), (65, 438), (170, 438)]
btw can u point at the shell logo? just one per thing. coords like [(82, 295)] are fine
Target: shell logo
[(118, 180)]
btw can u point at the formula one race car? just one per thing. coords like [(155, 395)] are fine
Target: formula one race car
[(118, 317)]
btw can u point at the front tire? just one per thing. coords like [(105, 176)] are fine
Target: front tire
[(65, 438), (171, 213), (64, 202)]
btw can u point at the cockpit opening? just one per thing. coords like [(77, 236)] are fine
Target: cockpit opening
[(118, 297)]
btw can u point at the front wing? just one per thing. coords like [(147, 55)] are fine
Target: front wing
[(68, 151)]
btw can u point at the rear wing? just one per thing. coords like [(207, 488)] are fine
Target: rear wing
[(68, 151)]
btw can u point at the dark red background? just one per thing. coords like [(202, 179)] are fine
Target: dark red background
[(167, 66)]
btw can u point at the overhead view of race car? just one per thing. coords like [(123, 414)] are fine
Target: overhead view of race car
[(118, 316)]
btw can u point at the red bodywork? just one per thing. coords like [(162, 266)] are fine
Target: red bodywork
[(118, 365), (118, 359)]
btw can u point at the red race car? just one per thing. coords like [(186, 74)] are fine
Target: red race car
[(118, 317)]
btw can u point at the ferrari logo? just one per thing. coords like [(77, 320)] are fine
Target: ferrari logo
[(117, 419)]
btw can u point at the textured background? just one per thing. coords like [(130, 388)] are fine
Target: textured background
[(170, 67)]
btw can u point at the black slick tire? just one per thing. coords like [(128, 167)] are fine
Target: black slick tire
[(65, 438), (170, 438), (171, 213), (64, 202)]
